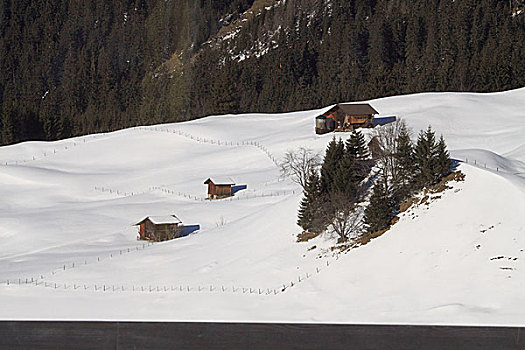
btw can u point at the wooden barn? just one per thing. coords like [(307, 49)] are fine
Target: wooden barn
[(160, 228), (346, 117), (219, 187)]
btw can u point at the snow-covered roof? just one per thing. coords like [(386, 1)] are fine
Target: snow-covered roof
[(220, 180), (161, 220)]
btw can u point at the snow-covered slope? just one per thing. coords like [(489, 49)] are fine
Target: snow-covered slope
[(68, 208)]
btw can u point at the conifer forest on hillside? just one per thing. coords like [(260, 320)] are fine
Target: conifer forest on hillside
[(72, 67)]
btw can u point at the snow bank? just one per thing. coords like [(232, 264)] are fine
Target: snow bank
[(68, 208)]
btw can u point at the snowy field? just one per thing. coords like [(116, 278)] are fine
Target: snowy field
[(69, 248)]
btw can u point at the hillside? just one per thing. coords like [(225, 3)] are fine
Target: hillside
[(70, 68), (68, 208)]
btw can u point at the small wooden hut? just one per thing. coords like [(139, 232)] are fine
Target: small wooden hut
[(219, 187), (160, 228), (346, 117)]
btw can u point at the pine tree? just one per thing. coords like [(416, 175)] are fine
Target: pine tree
[(356, 154), (405, 163), (356, 146), (347, 177), (308, 208), (333, 156), (425, 155), (378, 214), (442, 160)]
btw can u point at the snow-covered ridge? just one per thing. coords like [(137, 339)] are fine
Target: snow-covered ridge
[(68, 210)]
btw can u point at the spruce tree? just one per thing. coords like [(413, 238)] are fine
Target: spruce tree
[(378, 214), (356, 146), (309, 207), (425, 155), (347, 177), (333, 156), (442, 159), (356, 154), (405, 163)]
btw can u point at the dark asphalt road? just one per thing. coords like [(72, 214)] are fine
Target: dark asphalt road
[(138, 335)]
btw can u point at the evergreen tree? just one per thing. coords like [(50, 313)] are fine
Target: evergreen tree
[(425, 156), (347, 177), (442, 160), (333, 156), (106, 65), (310, 204), (405, 162), (378, 214), (355, 159), (356, 146)]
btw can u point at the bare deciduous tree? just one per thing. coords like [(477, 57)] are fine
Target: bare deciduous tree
[(298, 164), (345, 216), (387, 137)]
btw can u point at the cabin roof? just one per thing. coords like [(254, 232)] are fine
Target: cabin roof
[(161, 220), (357, 108), (217, 180)]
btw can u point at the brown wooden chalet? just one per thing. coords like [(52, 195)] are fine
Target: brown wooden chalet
[(346, 117), (219, 187), (160, 228)]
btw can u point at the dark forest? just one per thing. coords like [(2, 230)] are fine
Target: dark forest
[(70, 67)]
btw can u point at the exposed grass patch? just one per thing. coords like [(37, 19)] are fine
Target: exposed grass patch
[(442, 185), (341, 248), (366, 238), (403, 206), (305, 236)]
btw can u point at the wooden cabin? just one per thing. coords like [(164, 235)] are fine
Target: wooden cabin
[(346, 117), (160, 228), (219, 187)]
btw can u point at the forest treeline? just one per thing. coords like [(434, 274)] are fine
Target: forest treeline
[(71, 68)]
